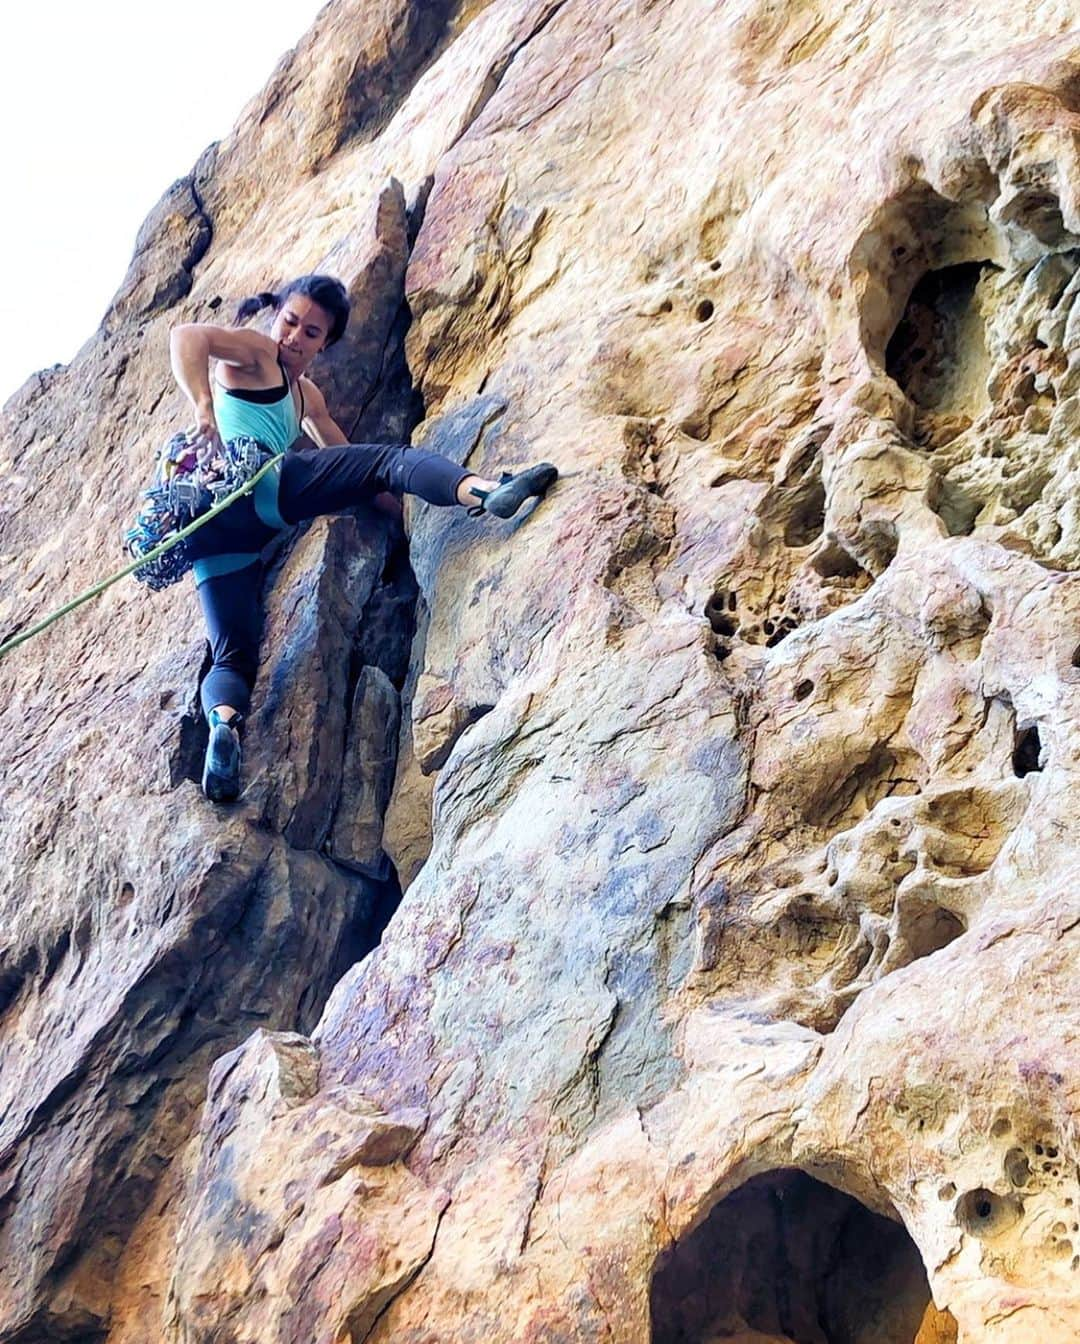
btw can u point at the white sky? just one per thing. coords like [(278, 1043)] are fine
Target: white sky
[(102, 106)]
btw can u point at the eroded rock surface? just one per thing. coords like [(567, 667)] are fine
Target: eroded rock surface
[(732, 993)]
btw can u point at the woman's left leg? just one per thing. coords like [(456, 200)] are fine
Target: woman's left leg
[(231, 606), (233, 615), (327, 480)]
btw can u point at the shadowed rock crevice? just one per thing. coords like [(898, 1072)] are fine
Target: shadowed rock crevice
[(170, 1025), (1027, 754), (787, 1260), (793, 567), (938, 352), (969, 308)]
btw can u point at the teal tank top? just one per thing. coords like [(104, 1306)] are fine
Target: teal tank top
[(274, 424)]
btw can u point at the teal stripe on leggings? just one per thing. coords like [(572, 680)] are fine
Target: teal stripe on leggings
[(265, 498), (213, 566)]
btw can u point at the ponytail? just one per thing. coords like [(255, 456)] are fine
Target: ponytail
[(329, 293), (256, 303)]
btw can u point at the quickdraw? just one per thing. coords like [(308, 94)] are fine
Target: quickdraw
[(186, 485)]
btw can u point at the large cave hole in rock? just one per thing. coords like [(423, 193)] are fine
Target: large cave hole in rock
[(938, 352), (787, 1260)]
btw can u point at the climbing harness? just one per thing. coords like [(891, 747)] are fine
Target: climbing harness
[(186, 484), (172, 539)]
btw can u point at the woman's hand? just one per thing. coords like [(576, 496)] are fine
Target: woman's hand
[(203, 435)]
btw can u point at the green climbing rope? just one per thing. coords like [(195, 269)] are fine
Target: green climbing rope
[(99, 588)]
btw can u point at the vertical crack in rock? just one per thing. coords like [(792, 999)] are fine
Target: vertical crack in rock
[(360, 1333), (548, 12), (175, 237)]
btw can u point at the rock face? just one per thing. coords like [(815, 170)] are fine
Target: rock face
[(732, 789)]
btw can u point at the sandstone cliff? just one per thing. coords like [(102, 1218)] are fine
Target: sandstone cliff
[(731, 790)]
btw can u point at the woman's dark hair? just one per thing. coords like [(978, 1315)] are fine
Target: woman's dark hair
[(324, 290)]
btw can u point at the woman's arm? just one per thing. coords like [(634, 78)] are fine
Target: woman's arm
[(323, 430), (319, 425), (191, 348)]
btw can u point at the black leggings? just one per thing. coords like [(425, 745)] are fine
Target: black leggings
[(313, 482)]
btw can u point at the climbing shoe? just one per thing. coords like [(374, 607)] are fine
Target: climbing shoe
[(221, 770), (514, 489)]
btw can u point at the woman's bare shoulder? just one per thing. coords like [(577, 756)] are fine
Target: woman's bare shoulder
[(313, 398)]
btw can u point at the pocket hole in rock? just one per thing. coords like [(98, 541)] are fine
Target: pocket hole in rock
[(807, 521), (721, 624), (985, 1215), (1026, 753), (803, 689), (1017, 1167), (718, 611), (956, 508), (932, 931), (704, 310), (835, 563), (778, 630)]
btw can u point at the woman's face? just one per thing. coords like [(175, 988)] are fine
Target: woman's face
[(300, 328)]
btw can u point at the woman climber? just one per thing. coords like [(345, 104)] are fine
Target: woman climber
[(260, 389)]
